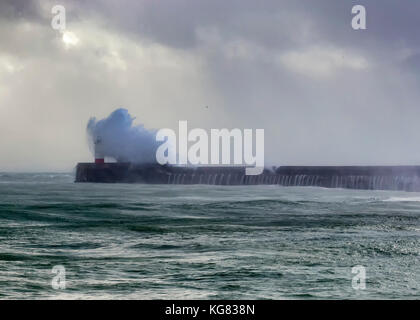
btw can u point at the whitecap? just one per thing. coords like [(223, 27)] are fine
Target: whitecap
[(403, 199)]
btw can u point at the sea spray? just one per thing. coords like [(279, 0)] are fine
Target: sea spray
[(119, 138)]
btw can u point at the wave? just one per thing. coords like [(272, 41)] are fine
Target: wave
[(403, 199)]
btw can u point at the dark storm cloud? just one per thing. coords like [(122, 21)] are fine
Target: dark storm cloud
[(19, 9), (271, 24), (175, 22)]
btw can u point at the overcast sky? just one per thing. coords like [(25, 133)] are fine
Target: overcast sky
[(324, 93)]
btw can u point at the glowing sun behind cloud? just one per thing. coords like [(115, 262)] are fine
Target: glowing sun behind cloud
[(70, 39)]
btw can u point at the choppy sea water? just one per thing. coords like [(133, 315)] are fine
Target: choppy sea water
[(138, 241)]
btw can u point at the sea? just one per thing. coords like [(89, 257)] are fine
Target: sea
[(66, 240)]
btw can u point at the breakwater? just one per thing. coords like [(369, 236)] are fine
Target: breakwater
[(405, 178)]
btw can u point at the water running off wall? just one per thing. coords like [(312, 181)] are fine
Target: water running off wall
[(349, 182)]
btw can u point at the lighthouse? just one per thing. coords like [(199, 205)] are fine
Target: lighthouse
[(99, 157)]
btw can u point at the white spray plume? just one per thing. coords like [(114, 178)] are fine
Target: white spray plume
[(117, 137)]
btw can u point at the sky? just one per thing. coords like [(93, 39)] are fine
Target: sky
[(324, 93)]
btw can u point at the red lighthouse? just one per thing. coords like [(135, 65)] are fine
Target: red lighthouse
[(99, 158)]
